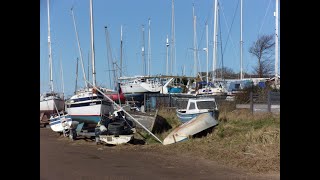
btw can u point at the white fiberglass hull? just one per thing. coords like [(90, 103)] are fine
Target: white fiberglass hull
[(194, 126), (142, 87), (58, 124), (47, 106), (212, 91), (132, 88), (151, 87), (88, 112)]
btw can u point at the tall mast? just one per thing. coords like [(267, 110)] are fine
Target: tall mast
[(49, 46), (61, 72), (167, 65), (149, 50), (276, 43), (121, 51), (92, 47), (214, 40), (79, 48), (241, 42), (173, 54), (88, 66), (75, 89), (142, 53), (194, 43), (207, 52)]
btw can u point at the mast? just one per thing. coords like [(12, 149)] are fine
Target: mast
[(49, 46), (75, 89), (173, 54), (194, 43), (92, 47), (214, 40), (167, 66), (207, 48), (79, 48), (88, 66), (142, 53), (149, 50), (61, 72), (276, 43), (121, 51), (241, 42)]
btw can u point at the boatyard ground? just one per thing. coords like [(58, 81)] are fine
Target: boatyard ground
[(82, 159), (242, 146)]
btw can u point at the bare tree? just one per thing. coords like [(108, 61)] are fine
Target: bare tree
[(226, 73), (263, 50)]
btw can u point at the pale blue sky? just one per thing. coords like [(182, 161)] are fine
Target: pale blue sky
[(257, 18)]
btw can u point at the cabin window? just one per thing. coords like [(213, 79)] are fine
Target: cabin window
[(192, 106), (206, 105)]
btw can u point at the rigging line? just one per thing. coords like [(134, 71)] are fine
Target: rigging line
[(230, 34), (234, 15), (265, 15), (109, 55), (55, 70)]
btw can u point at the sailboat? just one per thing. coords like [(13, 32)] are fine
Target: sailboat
[(134, 87), (60, 122), (88, 105), (116, 93), (199, 86), (49, 100)]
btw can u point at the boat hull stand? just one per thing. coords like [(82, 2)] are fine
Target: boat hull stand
[(77, 129), (118, 131)]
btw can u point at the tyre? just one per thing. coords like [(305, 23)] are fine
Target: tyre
[(115, 128)]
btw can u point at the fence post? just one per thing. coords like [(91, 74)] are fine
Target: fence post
[(251, 102), (269, 101)]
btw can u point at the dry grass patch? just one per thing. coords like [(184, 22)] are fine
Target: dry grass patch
[(243, 140)]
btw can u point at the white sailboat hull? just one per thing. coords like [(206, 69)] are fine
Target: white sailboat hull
[(88, 112), (58, 124), (94, 110), (212, 91), (140, 88), (151, 87), (47, 106), (132, 88)]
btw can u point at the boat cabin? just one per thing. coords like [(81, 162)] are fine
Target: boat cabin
[(198, 105)]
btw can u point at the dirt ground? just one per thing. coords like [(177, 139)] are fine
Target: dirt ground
[(61, 158)]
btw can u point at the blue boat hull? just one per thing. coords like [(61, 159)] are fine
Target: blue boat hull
[(87, 119), (174, 90)]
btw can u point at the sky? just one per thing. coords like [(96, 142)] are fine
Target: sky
[(258, 19)]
